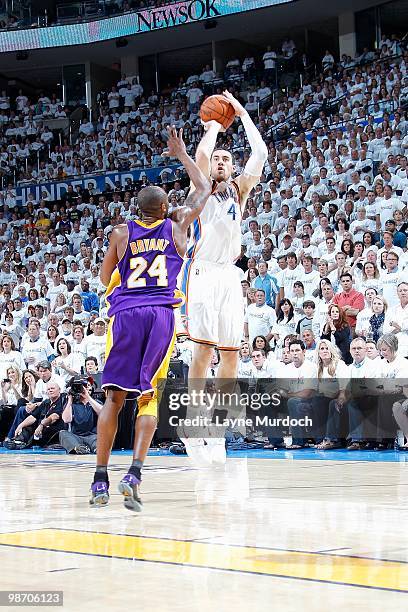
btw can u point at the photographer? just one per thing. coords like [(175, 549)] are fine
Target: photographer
[(80, 414)]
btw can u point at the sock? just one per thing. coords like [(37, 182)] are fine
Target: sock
[(136, 469), (101, 474)]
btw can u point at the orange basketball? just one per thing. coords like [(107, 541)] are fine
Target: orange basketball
[(217, 108)]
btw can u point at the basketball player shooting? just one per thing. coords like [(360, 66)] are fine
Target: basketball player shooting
[(140, 270), (210, 279)]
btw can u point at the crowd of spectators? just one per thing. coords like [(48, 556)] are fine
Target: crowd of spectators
[(324, 239), (128, 126)]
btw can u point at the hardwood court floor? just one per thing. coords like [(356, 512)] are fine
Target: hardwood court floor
[(261, 535)]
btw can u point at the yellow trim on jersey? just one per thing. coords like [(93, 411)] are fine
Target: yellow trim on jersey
[(148, 406), (161, 371), (179, 295), (148, 226), (109, 338), (115, 281)]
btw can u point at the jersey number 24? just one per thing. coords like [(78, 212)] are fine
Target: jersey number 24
[(157, 269)]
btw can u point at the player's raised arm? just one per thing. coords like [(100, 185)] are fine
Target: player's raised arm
[(207, 145), (259, 152), (197, 198)]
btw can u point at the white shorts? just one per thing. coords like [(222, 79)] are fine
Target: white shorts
[(181, 329), (213, 303)]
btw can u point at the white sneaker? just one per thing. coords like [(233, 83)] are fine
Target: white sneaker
[(217, 450), (198, 451)]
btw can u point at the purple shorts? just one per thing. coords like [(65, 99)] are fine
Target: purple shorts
[(138, 348)]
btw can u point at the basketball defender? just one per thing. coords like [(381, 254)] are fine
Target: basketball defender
[(210, 279), (140, 268)]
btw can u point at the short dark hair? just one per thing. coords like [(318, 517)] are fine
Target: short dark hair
[(94, 359), (299, 342), (45, 365), (68, 346), (221, 148), (259, 351), (346, 274)]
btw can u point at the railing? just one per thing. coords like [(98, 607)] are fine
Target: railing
[(293, 121), (75, 120), (80, 10)]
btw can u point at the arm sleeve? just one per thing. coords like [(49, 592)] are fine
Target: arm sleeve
[(259, 151)]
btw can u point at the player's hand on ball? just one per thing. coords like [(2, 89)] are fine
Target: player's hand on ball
[(175, 143), (239, 109), (212, 125)]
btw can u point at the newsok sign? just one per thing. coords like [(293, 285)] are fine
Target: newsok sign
[(177, 14), (127, 24)]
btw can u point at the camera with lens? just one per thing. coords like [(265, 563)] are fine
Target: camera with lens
[(76, 387)]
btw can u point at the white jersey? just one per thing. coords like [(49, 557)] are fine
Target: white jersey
[(216, 234)]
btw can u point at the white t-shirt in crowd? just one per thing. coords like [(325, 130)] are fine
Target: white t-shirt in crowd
[(260, 320)]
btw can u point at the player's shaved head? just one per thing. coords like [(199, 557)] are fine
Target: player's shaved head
[(152, 202)]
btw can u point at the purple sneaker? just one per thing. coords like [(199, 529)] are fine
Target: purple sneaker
[(129, 488), (99, 494)]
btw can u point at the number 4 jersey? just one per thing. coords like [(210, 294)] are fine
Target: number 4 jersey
[(210, 280), (147, 273), (216, 235)]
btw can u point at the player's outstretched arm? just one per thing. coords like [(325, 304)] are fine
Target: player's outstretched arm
[(206, 146), (259, 152), (197, 198)]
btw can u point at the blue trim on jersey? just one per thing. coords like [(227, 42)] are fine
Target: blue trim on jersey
[(184, 284), (197, 236)]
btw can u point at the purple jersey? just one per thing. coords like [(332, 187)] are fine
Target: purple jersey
[(147, 273)]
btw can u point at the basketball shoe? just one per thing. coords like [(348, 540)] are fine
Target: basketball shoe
[(99, 493), (198, 451), (129, 488), (217, 451)]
